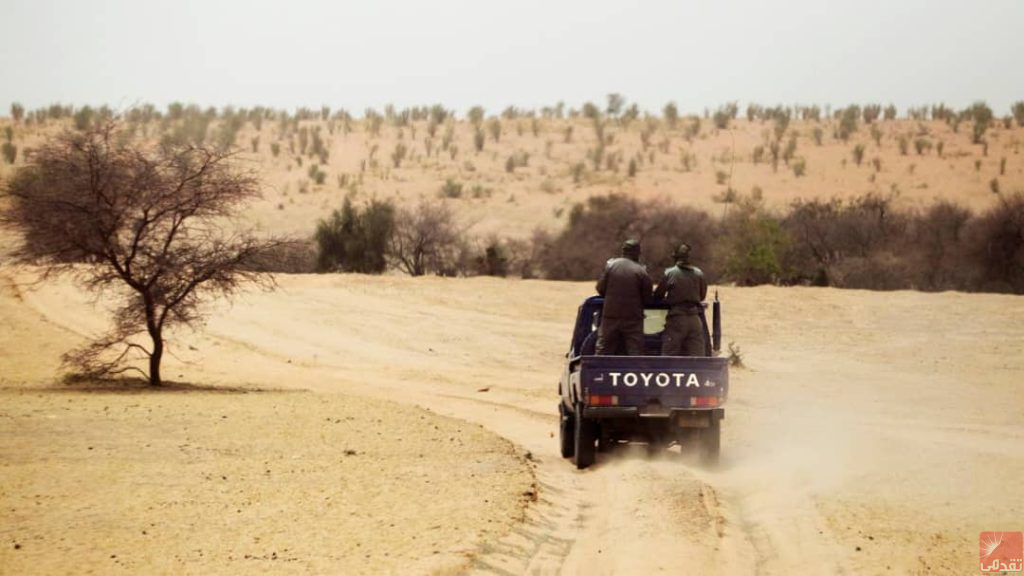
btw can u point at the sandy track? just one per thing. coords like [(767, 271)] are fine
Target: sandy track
[(871, 432)]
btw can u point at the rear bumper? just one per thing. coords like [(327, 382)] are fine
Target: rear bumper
[(679, 414), (600, 412)]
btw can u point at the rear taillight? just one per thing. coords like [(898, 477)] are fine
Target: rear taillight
[(602, 400), (704, 401)]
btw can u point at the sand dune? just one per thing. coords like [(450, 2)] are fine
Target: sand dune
[(870, 433)]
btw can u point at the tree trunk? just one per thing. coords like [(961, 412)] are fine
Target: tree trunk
[(156, 334), (154, 360)]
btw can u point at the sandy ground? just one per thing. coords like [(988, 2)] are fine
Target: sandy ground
[(871, 433)]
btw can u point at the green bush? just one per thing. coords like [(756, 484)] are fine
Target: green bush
[(354, 239), (799, 167), (398, 154), (1018, 112), (858, 153), (9, 152), (671, 114), (724, 115), (17, 111), (479, 140), (847, 122), (451, 189)]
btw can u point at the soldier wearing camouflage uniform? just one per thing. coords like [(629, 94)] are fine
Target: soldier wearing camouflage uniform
[(626, 288), (683, 289)]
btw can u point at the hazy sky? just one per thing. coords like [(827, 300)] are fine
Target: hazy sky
[(528, 53)]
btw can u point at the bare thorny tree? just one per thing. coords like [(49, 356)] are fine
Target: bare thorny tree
[(153, 219)]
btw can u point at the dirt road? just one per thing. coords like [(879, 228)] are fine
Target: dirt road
[(870, 432)]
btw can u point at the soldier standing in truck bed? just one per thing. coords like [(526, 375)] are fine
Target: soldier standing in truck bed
[(684, 290), (626, 288)]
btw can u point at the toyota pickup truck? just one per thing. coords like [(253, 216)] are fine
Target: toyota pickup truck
[(659, 400)]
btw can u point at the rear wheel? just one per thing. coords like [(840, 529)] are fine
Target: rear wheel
[(566, 432), (709, 442), (585, 439)]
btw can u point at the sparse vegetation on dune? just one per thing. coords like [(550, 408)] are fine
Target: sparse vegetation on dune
[(525, 169)]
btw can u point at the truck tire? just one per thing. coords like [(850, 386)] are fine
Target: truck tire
[(709, 442), (566, 432), (585, 438)]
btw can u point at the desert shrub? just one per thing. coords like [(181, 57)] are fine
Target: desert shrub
[(877, 163), (671, 114), (981, 115), (936, 247), (721, 177), (615, 104), (724, 114), (275, 149), (577, 172), (398, 154), (83, 118), (781, 125), (799, 167), (858, 153), (842, 243), (790, 150), (289, 257), (890, 112), (317, 175), (922, 145), (939, 147), (255, 142), (847, 122), (692, 129), (478, 140), (876, 134), (451, 189), (904, 144), (818, 134), (993, 185), (1002, 166), (688, 160), (871, 112), (758, 154), (631, 170), (17, 111), (426, 240), (510, 164), (590, 111), (493, 260), (9, 152), (1017, 109), (996, 246), (754, 244), (355, 239)]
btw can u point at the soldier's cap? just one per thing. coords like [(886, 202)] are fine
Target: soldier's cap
[(631, 246), (682, 251)]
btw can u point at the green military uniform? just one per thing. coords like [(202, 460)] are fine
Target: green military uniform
[(626, 288), (684, 289)]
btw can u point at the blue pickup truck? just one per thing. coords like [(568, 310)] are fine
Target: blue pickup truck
[(660, 400)]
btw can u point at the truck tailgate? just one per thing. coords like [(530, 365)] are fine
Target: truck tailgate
[(654, 381)]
